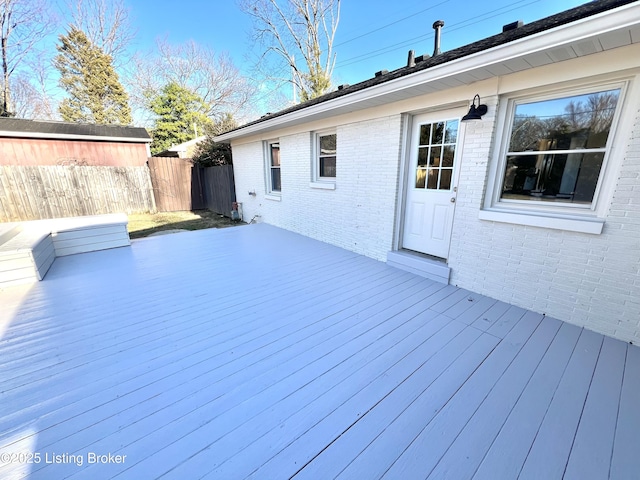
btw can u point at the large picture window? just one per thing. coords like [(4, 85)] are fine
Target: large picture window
[(557, 148)]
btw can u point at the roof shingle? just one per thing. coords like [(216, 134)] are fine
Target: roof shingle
[(23, 128)]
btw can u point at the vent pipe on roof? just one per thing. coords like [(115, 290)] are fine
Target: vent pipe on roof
[(512, 26), (437, 26), (411, 60)]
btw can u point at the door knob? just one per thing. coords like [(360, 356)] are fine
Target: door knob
[(453, 200)]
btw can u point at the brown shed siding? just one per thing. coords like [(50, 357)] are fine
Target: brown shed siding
[(31, 152)]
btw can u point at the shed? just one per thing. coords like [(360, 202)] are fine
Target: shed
[(30, 143)]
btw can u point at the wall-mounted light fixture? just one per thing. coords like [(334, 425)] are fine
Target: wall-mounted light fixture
[(475, 112)]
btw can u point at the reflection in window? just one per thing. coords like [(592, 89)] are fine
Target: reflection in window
[(327, 155), (436, 151), (557, 147), (274, 167)]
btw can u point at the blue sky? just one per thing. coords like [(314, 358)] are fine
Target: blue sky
[(372, 35)]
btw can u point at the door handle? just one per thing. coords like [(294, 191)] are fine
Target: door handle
[(453, 200)]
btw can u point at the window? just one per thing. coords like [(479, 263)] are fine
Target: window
[(324, 160), (327, 155), (556, 149), (436, 150), (550, 168), (273, 170)]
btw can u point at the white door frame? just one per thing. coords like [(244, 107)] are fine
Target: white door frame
[(405, 161)]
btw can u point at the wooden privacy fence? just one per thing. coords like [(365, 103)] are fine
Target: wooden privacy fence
[(171, 180), (219, 188), (179, 185), (40, 192)]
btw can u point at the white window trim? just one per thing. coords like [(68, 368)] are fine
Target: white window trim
[(271, 194), (576, 218), (323, 183)]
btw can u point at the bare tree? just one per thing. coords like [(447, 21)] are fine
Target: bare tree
[(23, 23), (106, 23), (32, 93), (299, 28), (213, 77)]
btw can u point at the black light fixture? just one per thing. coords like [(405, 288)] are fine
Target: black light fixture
[(475, 112)]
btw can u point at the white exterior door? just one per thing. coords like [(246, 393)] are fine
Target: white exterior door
[(431, 181)]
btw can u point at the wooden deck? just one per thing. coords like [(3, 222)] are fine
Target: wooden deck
[(252, 352)]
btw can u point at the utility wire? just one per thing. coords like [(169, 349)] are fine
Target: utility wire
[(391, 24), (456, 26), (389, 48)]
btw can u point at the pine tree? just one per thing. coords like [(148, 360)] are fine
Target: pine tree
[(178, 111), (88, 76)]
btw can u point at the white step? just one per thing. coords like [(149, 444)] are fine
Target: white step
[(419, 264)]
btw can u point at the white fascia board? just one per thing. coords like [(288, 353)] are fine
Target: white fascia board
[(619, 18), (62, 136)]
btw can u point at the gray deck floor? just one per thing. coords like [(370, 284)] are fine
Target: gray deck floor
[(253, 352)]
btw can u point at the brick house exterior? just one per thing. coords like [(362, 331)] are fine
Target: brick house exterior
[(555, 232)]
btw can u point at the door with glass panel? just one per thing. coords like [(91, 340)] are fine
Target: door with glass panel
[(430, 192)]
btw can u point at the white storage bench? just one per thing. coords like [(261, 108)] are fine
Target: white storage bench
[(88, 234), (28, 249)]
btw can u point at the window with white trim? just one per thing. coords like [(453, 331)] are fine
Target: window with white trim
[(272, 154), (557, 148), (554, 152), (325, 156)]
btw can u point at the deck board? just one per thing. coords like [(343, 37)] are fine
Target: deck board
[(253, 352), (551, 448), (625, 463), (425, 451), (593, 445), (369, 448), (505, 457)]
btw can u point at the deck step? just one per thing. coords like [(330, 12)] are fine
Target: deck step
[(420, 265)]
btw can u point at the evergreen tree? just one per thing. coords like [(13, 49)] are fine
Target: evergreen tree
[(181, 114), (88, 76)]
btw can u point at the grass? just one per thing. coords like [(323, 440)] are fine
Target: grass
[(144, 224)]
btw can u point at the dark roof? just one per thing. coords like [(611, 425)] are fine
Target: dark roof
[(562, 18), (39, 129)]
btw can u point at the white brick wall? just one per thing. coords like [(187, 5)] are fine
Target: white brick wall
[(589, 280), (358, 215)]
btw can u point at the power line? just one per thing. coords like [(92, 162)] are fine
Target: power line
[(454, 27), (390, 24)]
